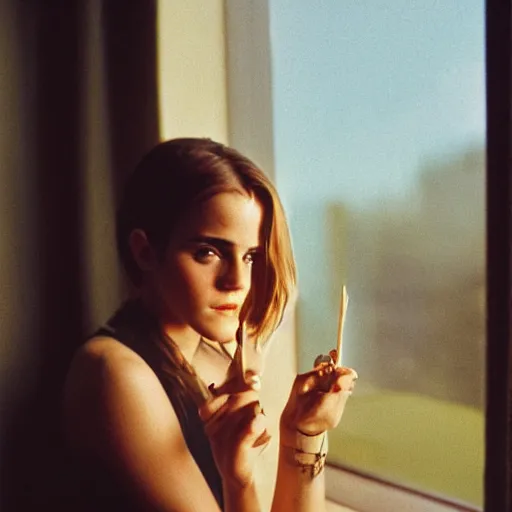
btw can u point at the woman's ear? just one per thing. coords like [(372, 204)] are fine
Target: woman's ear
[(142, 252)]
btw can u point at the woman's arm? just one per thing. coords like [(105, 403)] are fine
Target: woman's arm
[(297, 489), (117, 413), (315, 405), (241, 499), (300, 484), (236, 427)]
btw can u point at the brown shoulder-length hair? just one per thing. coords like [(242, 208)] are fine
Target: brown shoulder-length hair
[(179, 173)]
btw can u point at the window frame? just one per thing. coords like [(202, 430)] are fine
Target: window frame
[(498, 476)]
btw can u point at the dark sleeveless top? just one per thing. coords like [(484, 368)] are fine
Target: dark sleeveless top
[(133, 326)]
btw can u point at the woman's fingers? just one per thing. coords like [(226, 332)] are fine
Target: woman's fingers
[(319, 397), (253, 427), (344, 370), (212, 411), (237, 407), (345, 379), (239, 424), (212, 406), (318, 379), (326, 377), (236, 384), (319, 411)]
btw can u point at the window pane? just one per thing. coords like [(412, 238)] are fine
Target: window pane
[(379, 112)]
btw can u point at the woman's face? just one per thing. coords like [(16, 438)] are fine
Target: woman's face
[(205, 275)]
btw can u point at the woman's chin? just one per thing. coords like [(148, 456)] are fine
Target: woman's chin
[(220, 331), (223, 335)]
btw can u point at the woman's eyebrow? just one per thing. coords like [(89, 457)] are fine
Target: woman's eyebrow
[(220, 243)]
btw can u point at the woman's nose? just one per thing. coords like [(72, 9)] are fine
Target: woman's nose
[(236, 275)]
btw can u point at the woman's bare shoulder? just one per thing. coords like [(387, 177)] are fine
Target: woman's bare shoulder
[(103, 361), (107, 381), (116, 411), (105, 350)]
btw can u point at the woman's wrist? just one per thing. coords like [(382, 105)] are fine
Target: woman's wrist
[(236, 485), (239, 497), (309, 464), (292, 434), (305, 452), (306, 443)]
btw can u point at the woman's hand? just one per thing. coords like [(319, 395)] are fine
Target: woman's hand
[(236, 426), (317, 399)]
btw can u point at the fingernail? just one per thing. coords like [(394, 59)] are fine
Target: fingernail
[(259, 424), (322, 358), (255, 383), (253, 380)]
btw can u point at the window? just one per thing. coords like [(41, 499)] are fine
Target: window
[(378, 140)]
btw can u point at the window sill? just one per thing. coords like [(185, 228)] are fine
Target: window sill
[(331, 506), (368, 495)]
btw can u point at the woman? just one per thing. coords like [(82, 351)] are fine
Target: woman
[(161, 413)]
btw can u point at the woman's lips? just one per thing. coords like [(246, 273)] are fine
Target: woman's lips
[(226, 307)]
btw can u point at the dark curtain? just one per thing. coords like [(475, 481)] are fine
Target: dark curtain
[(78, 108), (498, 437)]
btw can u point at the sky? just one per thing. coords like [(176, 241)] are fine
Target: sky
[(365, 95), (367, 91)]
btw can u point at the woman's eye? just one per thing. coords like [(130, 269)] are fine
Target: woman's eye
[(249, 258), (205, 254)]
